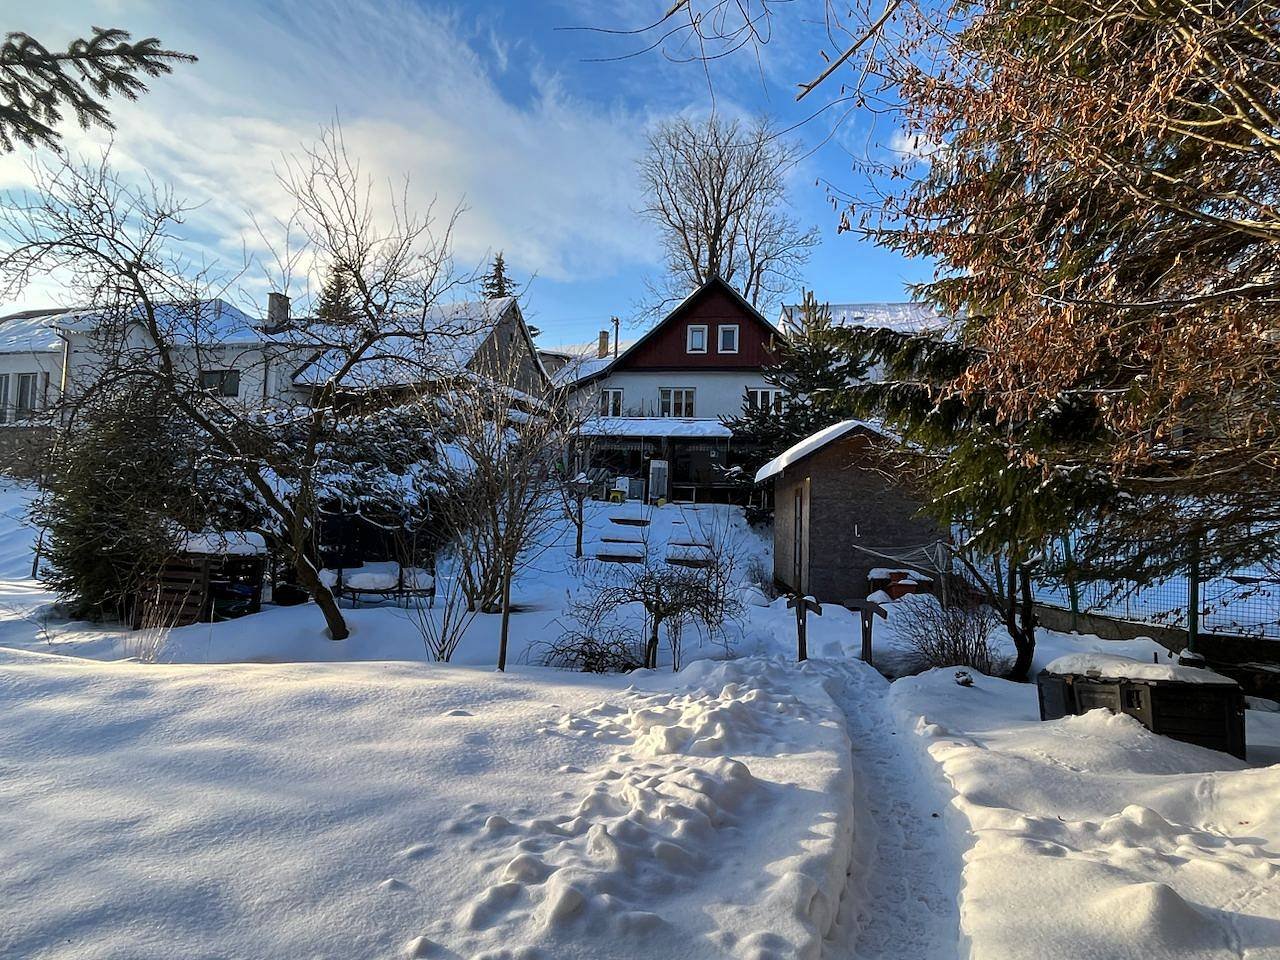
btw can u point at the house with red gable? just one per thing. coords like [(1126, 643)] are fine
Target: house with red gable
[(659, 403)]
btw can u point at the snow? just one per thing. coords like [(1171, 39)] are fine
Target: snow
[(228, 543), (1090, 836), (904, 317), (886, 573), (580, 368), (812, 444), (380, 576), (447, 339), (29, 331), (655, 427), (1112, 666), (263, 791)]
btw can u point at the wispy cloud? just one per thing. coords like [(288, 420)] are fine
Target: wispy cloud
[(543, 174)]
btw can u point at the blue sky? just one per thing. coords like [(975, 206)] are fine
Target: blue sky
[(485, 104)]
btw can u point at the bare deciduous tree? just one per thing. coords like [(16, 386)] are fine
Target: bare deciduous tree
[(501, 463), (154, 315), (716, 189)]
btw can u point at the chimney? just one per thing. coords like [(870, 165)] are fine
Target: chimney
[(603, 349), (277, 311)]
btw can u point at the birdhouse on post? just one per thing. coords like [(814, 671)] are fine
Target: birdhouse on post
[(802, 606), (867, 609)]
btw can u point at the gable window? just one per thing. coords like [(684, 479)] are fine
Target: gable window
[(221, 383), (25, 401), (611, 402), (728, 333), (696, 338), (764, 398), (675, 402)]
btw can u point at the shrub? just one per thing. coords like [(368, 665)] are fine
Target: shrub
[(957, 634)]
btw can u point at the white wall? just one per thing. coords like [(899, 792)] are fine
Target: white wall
[(719, 393)]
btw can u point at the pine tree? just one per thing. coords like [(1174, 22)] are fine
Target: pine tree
[(116, 502), (975, 472), (814, 369), (337, 300), (497, 283), (36, 84)]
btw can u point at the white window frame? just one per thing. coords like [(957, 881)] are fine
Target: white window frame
[(611, 401), (771, 397), (25, 406), (688, 338), (721, 331), (667, 402)]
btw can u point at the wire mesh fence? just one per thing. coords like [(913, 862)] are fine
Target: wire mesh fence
[(1244, 603)]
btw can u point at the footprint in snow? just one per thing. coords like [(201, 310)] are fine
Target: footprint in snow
[(459, 713)]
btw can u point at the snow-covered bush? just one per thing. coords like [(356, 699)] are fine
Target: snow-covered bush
[(956, 634)]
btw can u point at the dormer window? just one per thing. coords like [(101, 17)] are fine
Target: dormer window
[(696, 338), (728, 333)]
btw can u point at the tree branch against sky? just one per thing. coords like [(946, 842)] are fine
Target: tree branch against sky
[(716, 191), (37, 85)]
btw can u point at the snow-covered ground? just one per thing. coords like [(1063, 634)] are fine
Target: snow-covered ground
[(263, 791)]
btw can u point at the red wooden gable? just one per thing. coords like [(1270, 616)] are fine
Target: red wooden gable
[(665, 347)]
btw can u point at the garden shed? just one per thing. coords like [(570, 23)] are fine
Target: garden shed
[(844, 507)]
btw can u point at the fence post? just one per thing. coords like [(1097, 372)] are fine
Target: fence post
[(1193, 596), (1073, 590)]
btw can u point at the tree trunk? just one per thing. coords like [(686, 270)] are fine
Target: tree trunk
[(506, 616), (578, 551), (651, 649), (1022, 633), (323, 597)]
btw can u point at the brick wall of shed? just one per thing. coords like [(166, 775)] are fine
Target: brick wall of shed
[(851, 506)]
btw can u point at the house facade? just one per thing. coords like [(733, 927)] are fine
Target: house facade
[(844, 506), (657, 409), (50, 355)]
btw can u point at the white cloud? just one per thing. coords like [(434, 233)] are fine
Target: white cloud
[(544, 175)]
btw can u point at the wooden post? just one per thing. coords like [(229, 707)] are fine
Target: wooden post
[(867, 610), (802, 606)]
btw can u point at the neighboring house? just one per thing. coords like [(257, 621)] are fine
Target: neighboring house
[(657, 406), (484, 337), (843, 506), (46, 355)]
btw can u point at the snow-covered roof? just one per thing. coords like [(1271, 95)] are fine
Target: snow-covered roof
[(908, 317), (206, 322), (812, 444), (579, 368), (1114, 667), (446, 341), (29, 330), (225, 543), (655, 427)]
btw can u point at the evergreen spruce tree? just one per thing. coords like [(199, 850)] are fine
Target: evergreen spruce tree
[(497, 283), (121, 492), (814, 370), (975, 472), (337, 300), (36, 84)]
